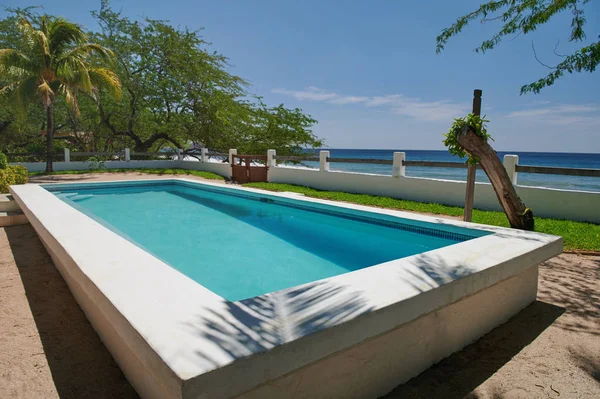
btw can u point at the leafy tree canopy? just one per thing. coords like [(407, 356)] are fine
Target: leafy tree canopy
[(50, 60), (523, 17), (176, 93), (15, 124)]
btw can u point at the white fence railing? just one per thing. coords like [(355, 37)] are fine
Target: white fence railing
[(545, 202)]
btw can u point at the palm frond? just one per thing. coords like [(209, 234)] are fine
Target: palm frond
[(24, 92), (13, 64), (7, 89), (54, 60), (70, 94), (91, 48), (73, 71), (64, 35), (34, 38), (45, 93), (106, 79)]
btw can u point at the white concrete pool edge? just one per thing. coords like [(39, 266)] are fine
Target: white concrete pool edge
[(190, 341)]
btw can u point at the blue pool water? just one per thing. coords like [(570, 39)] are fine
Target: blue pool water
[(240, 246)]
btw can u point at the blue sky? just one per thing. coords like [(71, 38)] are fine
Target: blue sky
[(368, 71)]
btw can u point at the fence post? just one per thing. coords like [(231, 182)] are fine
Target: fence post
[(127, 155), (203, 156), (398, 168), (510, 164), (67, 155), (323, 163), (271, 161), (232, 152), (180, 154), (472, 168)]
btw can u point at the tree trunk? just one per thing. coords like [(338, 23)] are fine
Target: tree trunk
[(49, 136), (140, 147), (519, 216), (5, 124)]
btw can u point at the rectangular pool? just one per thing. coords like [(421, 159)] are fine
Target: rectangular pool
[(240, 245), (203, 290)]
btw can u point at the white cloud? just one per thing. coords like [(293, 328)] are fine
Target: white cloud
[(438, 110), (310, 94), (395, 103), (536, 103), (385, 100), (562, 114), (349, 100)]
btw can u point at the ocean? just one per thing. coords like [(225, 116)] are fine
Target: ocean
[(557, 159)]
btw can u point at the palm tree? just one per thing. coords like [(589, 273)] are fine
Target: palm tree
[(53, 60)]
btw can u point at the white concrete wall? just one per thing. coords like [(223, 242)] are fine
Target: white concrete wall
[(58, 166), (223, 169), (376, 366), (545, 202), (562, 204), (219, 168)]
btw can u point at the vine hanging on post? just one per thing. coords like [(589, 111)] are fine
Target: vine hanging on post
[(474, 122), (468, 136)]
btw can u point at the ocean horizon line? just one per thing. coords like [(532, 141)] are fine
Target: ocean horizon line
[(414, 149)]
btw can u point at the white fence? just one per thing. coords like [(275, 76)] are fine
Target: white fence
[(545, 202), (61, 166)]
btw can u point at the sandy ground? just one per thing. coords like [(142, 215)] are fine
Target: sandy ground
[(549, 350), (92, 177)]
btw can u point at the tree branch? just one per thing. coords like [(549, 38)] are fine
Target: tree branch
[(5, 124), (555, 50), (537, 59), (158, 136)]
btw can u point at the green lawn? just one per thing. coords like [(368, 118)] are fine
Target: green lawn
[(577, 235), (152, 171)]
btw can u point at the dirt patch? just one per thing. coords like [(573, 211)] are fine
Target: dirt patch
[(92, 177), (549, 350), (48, 349)]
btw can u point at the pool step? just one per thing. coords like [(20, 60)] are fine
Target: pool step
[(77, 196), (8, 204), (12, 218)]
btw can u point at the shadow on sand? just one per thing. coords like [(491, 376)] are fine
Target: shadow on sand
[(70, 178), (81, 366), (458, 375)]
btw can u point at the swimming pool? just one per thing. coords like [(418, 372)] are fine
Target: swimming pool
[(241, 245), (358, 333)]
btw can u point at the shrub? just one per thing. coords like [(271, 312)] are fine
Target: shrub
[(21, 176), (96, 163), (7, 178), (3, 161), (12, 175)]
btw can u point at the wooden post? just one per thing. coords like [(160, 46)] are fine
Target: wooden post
[(472, 169)]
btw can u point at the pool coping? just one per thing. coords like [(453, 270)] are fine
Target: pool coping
[(203, 341)]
